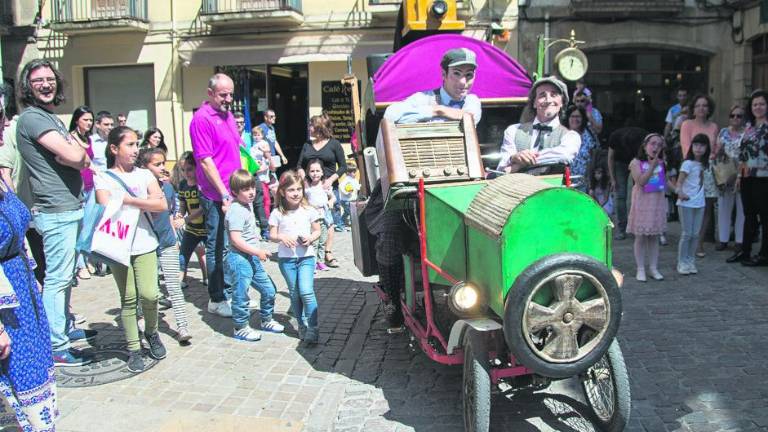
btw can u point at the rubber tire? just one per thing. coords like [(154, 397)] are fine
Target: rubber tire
[(477, 412), (514, 309), (622, 404)]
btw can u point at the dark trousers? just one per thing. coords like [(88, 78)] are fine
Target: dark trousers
[(215, 248), (754, 197), (621, 172), (35, 241)]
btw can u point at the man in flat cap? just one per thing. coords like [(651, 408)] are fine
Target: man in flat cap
[(450, 101), (543, 140)]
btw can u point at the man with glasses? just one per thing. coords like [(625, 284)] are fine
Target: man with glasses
[(268, 128), (54, 162), (244, 136), (103, 124), (122, 119)]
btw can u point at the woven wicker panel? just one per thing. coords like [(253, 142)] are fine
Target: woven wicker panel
[(490, 209)]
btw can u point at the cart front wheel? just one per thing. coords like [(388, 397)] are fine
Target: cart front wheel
[(606, 387), (476, 384)]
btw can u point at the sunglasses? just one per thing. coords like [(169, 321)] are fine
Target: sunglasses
[(737, 115)]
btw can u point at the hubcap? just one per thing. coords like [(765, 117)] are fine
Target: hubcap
[(566, 316)]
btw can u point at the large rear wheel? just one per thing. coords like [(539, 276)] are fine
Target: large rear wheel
[(606, 387), (476, 384)]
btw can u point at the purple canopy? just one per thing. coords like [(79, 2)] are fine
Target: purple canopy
[(416, 67)]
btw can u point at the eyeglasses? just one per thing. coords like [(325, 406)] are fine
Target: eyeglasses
[(39, 81), (240, 122), (737, 115)]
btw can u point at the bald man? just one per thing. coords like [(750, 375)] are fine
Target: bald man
[(216, 148)]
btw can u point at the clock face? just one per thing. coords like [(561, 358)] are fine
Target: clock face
[(572, 64)]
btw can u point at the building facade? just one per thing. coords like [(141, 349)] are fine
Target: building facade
[(152, 59), (641, 51)]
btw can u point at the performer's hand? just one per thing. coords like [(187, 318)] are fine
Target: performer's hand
[(447, 112), (5, 345), (525, 158)]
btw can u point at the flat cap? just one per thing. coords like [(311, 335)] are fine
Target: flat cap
[(549, 80), (458, 57)]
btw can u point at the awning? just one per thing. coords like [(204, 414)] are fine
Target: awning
[(281, 48)]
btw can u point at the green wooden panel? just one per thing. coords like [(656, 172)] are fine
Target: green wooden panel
[(409, 286), (484, 262), (446, 236), (550, 222)]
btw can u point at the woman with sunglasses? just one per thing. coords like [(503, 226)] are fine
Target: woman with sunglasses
[(753, 180), (727, 146)]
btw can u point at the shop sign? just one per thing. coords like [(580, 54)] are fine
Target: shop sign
[(337, 104)]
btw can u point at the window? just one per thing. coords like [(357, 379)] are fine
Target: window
[(123, 89)]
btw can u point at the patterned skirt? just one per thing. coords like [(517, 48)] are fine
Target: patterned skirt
[(648, 214)]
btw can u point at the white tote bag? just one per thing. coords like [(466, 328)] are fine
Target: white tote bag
[(115, 231)]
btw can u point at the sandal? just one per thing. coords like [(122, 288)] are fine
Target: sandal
[(333, 262)]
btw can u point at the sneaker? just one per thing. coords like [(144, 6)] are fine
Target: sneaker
[(156, 349), (70, 357), (640, 276), (321, 267), (183, 335), (311, 336), (692, 269), (80, 334), (272, 326), (78, 318), (221, 308), (683, 269), (655, 275), (164, 303), (663, 240), (247, 334), (135, 361)]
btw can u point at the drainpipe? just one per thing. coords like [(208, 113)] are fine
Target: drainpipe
[(546, 38)]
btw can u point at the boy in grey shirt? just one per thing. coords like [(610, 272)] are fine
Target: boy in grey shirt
[(244, 259)]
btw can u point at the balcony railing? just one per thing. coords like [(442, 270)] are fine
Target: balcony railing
[(627, 7), (73, 11), (241, 6), (6, 13)]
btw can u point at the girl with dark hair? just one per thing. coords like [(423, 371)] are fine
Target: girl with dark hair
[(648, 213), (753, 180), (599, 188), (154, 137), (690, 202), (137, 281), (80, 128)]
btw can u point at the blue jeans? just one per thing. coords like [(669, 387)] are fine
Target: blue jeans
[(215, 249), (690, 225), (59, 232), (337, 208), (299, 274), (246, 271)]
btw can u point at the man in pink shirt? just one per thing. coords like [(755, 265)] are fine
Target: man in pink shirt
[(215, 145)]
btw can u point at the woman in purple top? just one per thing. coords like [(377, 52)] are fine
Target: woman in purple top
[(80, 128)]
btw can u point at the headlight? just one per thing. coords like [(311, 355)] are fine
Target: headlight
[(464, 298)]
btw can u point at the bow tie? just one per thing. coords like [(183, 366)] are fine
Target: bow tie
[(541, 127), (456, 104)]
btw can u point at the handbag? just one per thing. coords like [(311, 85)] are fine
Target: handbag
[(127, 189), (92, 215), (725, 169)]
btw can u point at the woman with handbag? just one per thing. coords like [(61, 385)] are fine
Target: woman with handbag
[(725, 169), (138, 280), (753, 180)]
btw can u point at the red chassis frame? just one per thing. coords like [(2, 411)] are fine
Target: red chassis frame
[(425, 334)]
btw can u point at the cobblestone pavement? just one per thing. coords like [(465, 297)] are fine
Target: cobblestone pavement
[(694, 345)]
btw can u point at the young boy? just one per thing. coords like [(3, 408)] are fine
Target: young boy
[(348, 188), (245, 258), (194, 235)]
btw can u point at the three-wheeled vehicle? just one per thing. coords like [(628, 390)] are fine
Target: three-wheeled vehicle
[(510, 277)]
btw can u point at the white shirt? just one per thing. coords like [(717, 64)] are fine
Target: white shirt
[(692, 186), (317, 196), (294, 223), (570, 143), (138, 181), (99, 147), (418, 107)]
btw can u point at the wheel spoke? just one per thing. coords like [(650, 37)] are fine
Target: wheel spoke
[(566, 287), (594, 314), (563, 345), (539, 317)]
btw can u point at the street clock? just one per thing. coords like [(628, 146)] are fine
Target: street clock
[(572, 64)]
